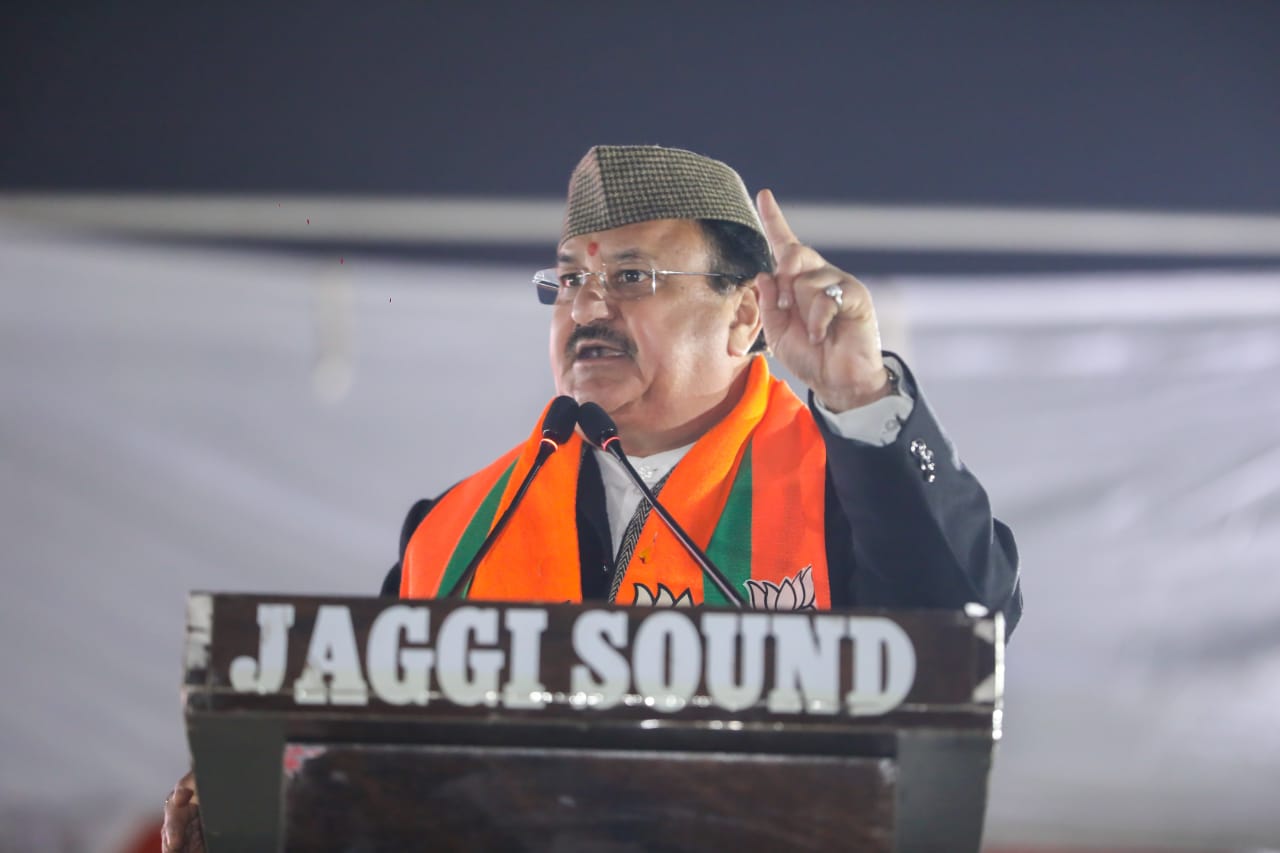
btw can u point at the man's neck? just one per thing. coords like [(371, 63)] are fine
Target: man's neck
[(647, 442)]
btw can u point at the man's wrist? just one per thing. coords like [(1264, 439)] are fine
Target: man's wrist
[(838, 403), (879, 422)]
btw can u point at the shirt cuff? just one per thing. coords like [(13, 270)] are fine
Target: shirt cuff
[(876, 423)]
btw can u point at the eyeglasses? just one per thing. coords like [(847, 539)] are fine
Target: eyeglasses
[(619, 285)]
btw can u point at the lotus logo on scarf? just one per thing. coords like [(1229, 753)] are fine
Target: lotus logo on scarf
[(792, 594), (664, 598)]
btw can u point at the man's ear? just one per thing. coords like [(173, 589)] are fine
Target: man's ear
[(747, 319)]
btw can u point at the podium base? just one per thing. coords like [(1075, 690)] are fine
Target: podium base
[(368, 797)]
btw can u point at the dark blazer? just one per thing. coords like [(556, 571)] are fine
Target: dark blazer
[(898, 534)]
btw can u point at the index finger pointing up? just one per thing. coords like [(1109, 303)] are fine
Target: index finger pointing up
[(776, 229)]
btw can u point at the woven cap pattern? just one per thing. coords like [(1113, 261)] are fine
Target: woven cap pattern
[(617, 185)]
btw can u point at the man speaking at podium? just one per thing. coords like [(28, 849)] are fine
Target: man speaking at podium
[(668, 286), (664, 296)]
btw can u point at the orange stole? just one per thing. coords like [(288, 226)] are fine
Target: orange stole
[(536, 558)]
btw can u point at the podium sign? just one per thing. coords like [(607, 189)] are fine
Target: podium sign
[(349, 723)]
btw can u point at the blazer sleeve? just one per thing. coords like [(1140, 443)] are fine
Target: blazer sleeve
[(911, 536), (417, 512)]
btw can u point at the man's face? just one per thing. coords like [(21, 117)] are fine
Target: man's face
[(658, 365)]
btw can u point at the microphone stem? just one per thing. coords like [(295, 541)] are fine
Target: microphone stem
[(708, 568), (464, 581)]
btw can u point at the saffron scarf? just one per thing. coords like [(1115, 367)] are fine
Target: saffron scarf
[(750, 492)]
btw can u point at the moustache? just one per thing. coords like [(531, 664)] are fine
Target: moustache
[(599, 334)]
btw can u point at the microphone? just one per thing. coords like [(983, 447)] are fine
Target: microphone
[(557, 427), (603, 433)]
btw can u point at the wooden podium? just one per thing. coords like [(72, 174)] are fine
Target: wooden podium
[(361, 724)]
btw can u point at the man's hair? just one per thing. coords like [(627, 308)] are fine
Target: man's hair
[(737, 251)]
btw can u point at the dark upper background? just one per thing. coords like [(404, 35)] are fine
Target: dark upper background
[(1160, 106)]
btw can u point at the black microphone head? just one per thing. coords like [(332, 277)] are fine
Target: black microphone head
[(596, 424), (562, 417)]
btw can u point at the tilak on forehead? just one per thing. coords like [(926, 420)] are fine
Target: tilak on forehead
[(616, 185)]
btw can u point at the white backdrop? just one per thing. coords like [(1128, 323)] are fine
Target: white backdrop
[(177, 418)]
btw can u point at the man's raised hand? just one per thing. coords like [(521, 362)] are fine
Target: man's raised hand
[(832, 346)]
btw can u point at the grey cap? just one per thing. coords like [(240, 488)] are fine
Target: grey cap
[(617, 185)]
